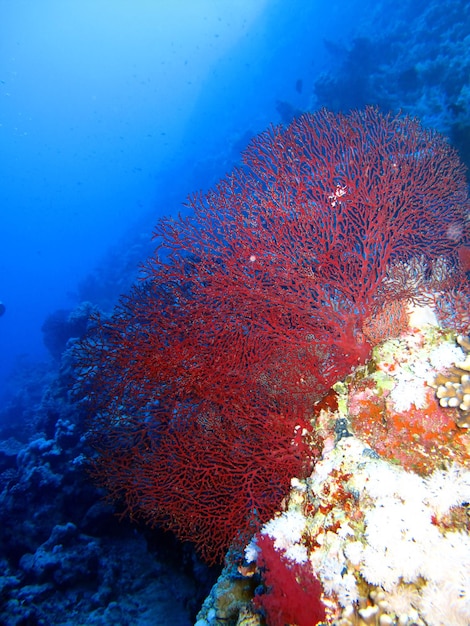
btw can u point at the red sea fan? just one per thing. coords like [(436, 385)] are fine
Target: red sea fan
[(203, 381), (175, 446)]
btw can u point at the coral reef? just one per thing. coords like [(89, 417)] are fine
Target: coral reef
[(65, 557), (202, 383), (385, 531), (395, 63), (392, 405), (229, 600), (453, 386), (211, 382), (63, 325)]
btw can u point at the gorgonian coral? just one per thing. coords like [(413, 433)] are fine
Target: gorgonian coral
[(202, 382)]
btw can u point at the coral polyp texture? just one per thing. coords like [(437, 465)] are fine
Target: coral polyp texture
[(394, 408), (388, 546), (453, 386), (279, 282), (382, 527)]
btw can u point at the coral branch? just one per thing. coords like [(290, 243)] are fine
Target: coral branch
[(205, 378)]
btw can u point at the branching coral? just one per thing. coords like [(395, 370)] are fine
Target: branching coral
[(203, 382)]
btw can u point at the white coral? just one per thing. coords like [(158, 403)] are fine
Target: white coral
[(405, 546), (401, 549), (348, 592), (408, 391), (354, 551), (448, 488), (415, 365), (445, 355), (286, 531)]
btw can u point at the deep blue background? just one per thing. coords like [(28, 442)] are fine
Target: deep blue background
[(113, 111)]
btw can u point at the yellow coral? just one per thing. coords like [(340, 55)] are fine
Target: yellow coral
[(453, 387)]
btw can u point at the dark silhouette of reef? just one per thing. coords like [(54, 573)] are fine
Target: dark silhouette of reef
[(411, 57), (65, 557)]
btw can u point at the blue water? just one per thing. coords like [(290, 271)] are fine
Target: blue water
[(109, 112)]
